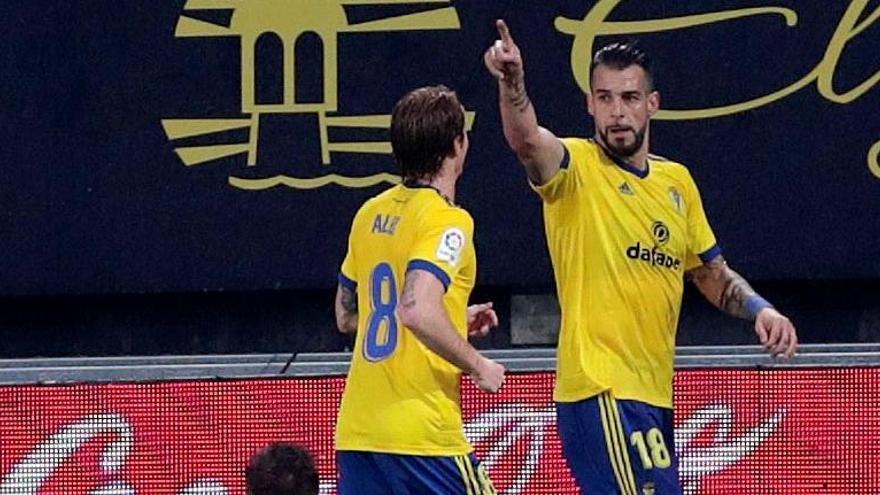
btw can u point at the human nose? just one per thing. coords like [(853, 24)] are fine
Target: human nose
[(617, 107)]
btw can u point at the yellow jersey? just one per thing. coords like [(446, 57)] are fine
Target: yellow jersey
[(620, 240), (400, 397)]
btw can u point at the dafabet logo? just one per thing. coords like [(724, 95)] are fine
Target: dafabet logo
[(282, 25)]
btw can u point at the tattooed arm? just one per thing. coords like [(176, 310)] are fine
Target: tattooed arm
[(346, 309), (536, 147), (730, 292), (421, 310)]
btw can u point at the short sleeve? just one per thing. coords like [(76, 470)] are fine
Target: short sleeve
[(348, 271), (561, 183), (442, 244), (702, 246)]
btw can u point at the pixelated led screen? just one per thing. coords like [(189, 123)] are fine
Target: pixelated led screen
[(796, 431)]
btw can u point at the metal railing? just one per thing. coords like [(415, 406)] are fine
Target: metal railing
[(151, 368)]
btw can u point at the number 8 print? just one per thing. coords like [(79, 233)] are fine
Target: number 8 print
[(380, 345)]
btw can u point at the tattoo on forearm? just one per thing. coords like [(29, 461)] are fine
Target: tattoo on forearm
[(520, 102), (518, 96), (725, 288), (408, 298), (736, 293), (349, 301)]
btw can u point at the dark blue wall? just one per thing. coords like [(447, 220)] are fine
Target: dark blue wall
[(113, 245), (94, 198)]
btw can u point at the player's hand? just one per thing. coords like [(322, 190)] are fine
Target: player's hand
[(480, 319), (489, 376), (503, 58), (776, 333)]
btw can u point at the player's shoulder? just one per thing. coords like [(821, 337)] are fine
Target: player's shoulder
[(442, 211), (581, 146), (373, 204), (396, 194), (669, 166), (385, 196), (434, 214), (662, 160), (426, 206)]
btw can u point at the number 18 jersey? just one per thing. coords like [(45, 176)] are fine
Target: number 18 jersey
[(400, 397)]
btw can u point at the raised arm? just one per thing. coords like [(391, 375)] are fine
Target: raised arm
[(537, 148), (730, 292), (421, 310), (346, 309)]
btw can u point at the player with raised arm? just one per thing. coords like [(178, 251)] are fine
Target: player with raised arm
[(624, 229)]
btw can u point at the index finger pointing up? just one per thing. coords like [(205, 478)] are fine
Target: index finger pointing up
[(504, 33)]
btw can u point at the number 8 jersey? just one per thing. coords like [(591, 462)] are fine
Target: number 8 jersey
[(400, 397)]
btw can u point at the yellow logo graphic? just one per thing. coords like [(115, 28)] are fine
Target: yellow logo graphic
[(854, 22), (285, 23)]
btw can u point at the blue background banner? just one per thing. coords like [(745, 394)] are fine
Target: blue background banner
[(225, 145)]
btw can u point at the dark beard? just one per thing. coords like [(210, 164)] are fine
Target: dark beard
[(624, 151)]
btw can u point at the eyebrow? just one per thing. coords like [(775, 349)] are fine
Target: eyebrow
[(624, 93)]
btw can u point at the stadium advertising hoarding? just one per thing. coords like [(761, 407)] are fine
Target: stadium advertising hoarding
[(793, 432)]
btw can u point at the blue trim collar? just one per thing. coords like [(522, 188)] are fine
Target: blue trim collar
[(626, 166), (419, 185)]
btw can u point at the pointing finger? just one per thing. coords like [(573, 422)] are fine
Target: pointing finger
[(504, 32)]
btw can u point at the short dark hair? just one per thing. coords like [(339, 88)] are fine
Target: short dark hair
[(424, 126), (281, 469), (619, 56)]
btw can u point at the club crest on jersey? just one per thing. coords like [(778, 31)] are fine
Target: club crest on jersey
[(451, 246), (677, 201)]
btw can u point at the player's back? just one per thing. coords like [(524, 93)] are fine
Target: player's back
[(400, 397)]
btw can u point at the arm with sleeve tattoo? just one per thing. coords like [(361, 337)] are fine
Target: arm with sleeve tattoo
[(730, 292), (346, 310), (536, 147), (727, 290)]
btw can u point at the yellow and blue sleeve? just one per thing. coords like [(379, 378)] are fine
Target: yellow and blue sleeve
[(441, 244), (561, 183), (702, 246)]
